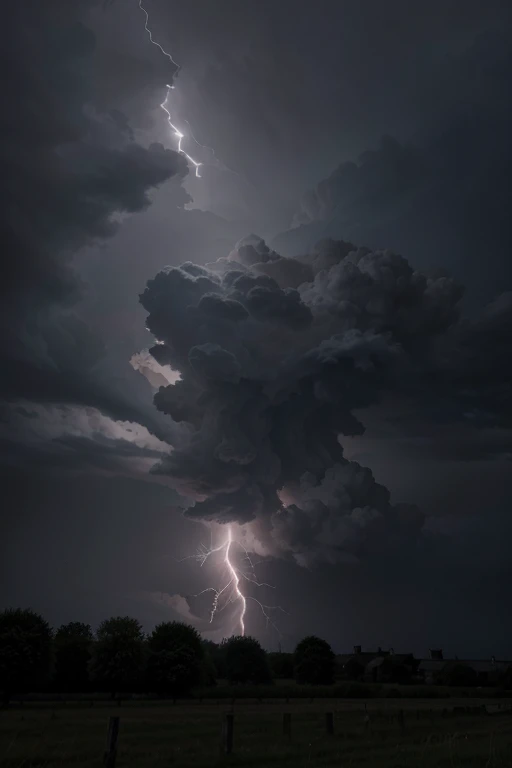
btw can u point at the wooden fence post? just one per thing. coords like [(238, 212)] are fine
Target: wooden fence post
[(366, 719), (329, 722), (109, 758), (226, 734), (287, 725)]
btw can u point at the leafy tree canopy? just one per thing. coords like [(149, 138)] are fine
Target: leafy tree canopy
[(281, 665), (73, 632), (73, 644), (25, 650), (118, 653), (246, 661), (175, 634), (314, 661), (175, 662)]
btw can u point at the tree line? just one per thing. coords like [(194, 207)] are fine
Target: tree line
[(119, 657)]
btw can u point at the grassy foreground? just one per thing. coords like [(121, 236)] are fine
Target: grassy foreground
[(188, 734)]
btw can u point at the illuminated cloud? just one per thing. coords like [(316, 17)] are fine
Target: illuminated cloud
[(272, 378)]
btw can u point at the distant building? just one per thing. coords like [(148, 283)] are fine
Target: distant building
[(352, 666), (486, 671), (389, 667), (430, 670)]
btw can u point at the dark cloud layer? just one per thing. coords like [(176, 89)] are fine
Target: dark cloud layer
[(271, 377), (284, 91), (442, 198), (69, 173)]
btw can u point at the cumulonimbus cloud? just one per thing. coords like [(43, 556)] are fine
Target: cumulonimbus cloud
[(270, 377)]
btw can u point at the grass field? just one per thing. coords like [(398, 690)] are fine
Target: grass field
[(188, 734)]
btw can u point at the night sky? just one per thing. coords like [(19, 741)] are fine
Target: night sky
[(341, 322)]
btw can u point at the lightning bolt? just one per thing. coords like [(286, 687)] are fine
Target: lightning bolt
[(235, 580), (231, 590), (165, 105)]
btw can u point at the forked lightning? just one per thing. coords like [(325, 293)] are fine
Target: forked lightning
[(165, 105), (230, 591)]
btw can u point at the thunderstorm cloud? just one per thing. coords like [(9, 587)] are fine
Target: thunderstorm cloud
[(71, 173), (272, 373)]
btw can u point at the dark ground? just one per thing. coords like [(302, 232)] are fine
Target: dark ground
[(188, 734)]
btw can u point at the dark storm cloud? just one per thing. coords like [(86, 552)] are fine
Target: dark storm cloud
[(283, 91), (442, 199), (67, 437), (70, 173), (68, 169), (266, 394)]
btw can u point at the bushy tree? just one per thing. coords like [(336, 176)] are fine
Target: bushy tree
[(73, 646), (314, 661), (217, 653), (117, 661), (175, 661), (246, 661), (281, 665), (208, 668), (25, 651)]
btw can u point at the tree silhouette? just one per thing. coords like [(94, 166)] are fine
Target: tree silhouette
[(246, 661), (314, 662), (281, 665), (209, 672), (73, 646), (25, 651), (118, 654), (217, 653), (175, 658)]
